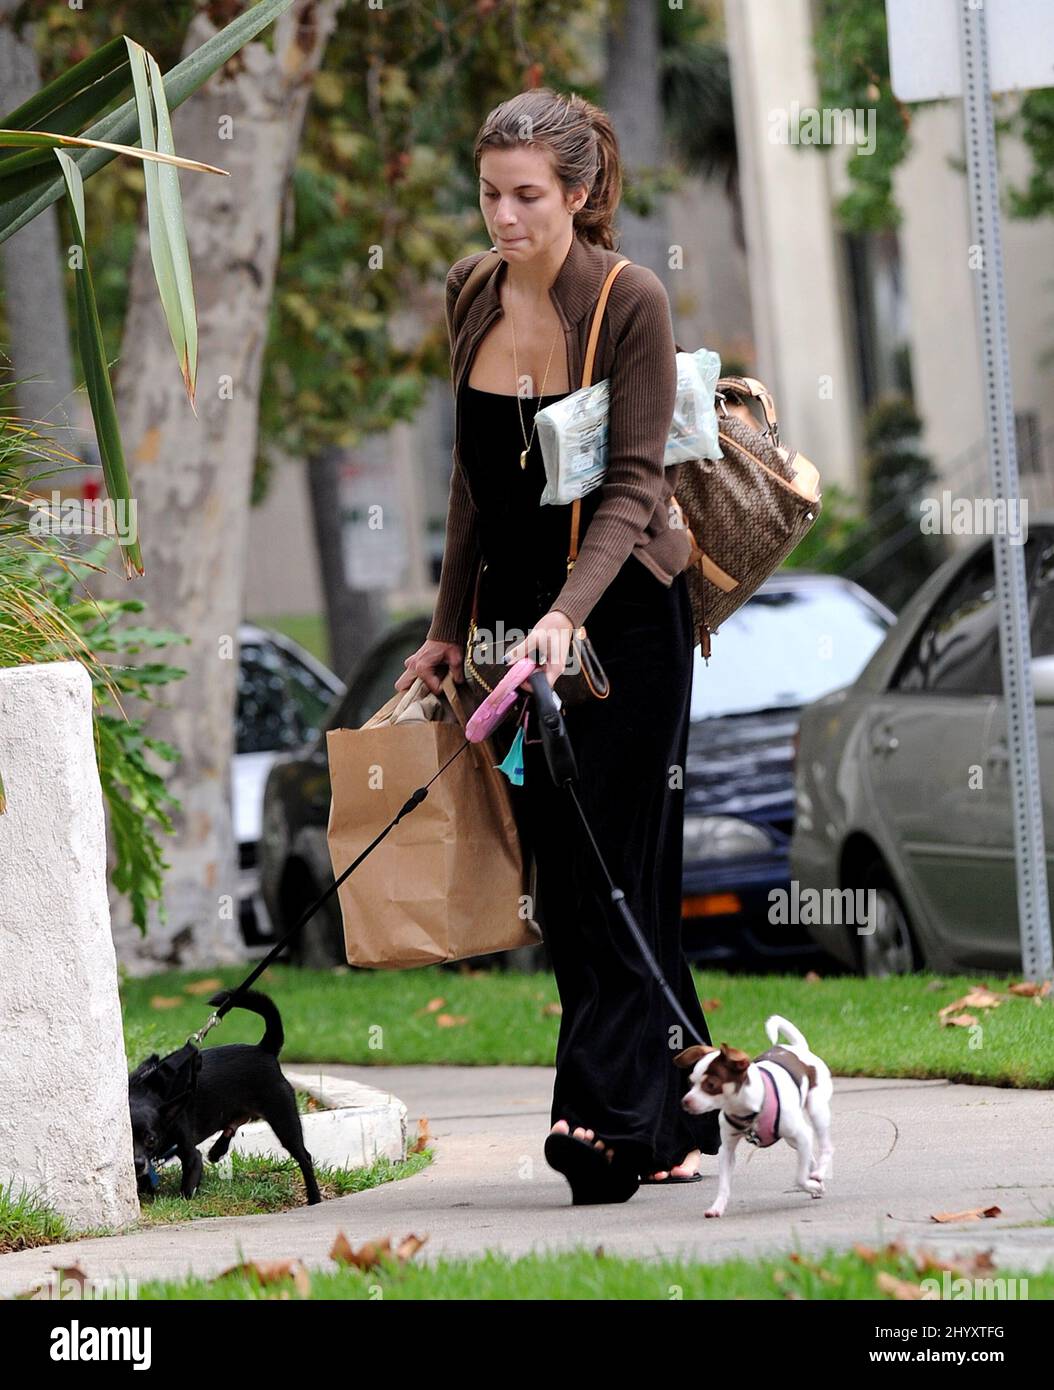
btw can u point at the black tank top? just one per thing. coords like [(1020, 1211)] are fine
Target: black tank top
[(524, 545)]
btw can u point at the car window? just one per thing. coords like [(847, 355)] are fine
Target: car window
[(1042, 599), (311, 695), (956, 650), (784, 648), (280, 702)]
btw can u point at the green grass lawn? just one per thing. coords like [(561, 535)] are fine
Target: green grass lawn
[(587, 1274), (861, 1027)]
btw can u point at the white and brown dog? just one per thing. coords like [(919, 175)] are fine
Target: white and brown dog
[(784, 1093)]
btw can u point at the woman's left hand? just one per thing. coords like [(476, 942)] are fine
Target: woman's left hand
[(548, 642)]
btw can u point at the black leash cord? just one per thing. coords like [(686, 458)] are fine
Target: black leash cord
[(411, 802)]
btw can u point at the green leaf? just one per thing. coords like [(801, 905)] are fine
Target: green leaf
[(121, 127), (96, 372), (168, 237)]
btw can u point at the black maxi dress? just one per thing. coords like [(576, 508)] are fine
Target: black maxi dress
[(618, 1034)]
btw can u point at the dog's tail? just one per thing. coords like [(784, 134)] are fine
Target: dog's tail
[(257, 1003), (776, 1024)]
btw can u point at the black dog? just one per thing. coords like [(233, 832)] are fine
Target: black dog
[(235, 1083)]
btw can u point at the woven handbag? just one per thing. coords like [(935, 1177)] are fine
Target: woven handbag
[(745, 512)]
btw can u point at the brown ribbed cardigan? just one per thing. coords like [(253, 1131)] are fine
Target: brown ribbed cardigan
[(636, 352)]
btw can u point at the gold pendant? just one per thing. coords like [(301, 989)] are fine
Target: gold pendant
[(523, 459)]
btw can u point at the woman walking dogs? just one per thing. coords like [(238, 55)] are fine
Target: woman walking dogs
[(550, 181)]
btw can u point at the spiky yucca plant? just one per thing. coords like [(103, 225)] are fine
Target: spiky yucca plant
[(48, 614)]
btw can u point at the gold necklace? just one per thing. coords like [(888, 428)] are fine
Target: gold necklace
[(516, 369)]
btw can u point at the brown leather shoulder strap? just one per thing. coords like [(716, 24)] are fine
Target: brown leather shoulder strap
[(587, 380)]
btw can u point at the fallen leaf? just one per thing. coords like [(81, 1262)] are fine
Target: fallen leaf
[(408, 1247), (433, 1006), (1031, 987), (370, 1254), (982, 999), (963, 1267), (866, 1253), (450, 1020), (959, 1021), (367, 1256), (423, 1137), (899, 1288), (977, 999), (552, 1010), (165, 1001), (709, 1005), (974, 1214), (271, 1271), (203, 987), (812, 978)]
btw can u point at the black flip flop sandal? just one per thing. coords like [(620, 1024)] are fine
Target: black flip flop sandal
[(673, 1178), (594, 1178)]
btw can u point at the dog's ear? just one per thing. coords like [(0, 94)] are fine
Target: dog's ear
[(735, 1057), (144, 1070), (688, 1058)]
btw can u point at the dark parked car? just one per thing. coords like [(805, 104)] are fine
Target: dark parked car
[(799, 636), (768, 660)]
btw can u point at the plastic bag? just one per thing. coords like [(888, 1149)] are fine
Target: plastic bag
[(574, 431)]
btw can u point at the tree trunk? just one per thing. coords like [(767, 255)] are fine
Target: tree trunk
[(633, 99), (354, 616), (31, 264), (191, 477)]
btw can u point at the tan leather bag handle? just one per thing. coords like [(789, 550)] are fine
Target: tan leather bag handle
[(587, 380)]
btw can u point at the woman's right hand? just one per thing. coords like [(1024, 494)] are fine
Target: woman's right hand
[(426, 661)]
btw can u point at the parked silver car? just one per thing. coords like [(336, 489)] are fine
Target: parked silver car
[(902, 778)]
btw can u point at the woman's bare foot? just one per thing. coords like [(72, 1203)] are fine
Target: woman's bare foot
[(595, 1172), (562, 1127), (686, 1169)]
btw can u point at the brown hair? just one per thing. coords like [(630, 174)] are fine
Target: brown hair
[(581, 140)]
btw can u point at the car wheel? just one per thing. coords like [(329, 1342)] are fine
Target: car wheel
[(319, 944), (891, 948)]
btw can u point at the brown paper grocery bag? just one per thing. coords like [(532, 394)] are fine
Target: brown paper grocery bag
[(448, 881)]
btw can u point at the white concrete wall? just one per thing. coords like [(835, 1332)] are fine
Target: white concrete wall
[(64, 1125)]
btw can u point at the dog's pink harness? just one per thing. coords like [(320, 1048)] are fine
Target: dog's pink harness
[(762, 1127)]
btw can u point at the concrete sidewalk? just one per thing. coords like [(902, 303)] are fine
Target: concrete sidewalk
[(903, 1150)]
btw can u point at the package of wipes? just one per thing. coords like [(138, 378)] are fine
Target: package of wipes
[(574, 431)]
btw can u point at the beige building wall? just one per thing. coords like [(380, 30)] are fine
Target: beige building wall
[(945, 342), (797, 291)]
